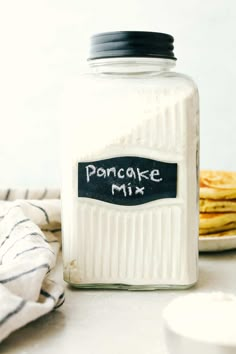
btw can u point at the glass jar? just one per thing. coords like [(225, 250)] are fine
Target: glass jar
[(130, 168)]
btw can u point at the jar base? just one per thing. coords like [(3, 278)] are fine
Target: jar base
[(103, 286)]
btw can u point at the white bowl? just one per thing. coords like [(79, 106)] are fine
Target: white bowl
[(201, 323), (179, 344)]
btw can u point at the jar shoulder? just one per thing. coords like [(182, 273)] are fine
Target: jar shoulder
[(119, 85), (183, 79), (164, 77)]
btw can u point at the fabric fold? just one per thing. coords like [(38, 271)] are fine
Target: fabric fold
[(30, 233)]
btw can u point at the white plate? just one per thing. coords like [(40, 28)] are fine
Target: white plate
[(215, 244)]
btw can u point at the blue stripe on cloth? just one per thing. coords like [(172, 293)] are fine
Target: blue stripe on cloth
[(13, 228), (43, 210), (14, 277), (13, 312), (32, 249), (47, 294), (19, 239)]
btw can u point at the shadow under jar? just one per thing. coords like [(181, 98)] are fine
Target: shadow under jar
[(130, 167)]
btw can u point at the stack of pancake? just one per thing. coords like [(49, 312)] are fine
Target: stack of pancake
[(217, 203)]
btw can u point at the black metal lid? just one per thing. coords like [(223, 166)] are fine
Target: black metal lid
[(131, 44)]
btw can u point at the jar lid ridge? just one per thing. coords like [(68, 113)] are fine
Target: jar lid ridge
[(131, 44)]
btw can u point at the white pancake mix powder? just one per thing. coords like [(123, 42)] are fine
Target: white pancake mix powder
[(207, 317)]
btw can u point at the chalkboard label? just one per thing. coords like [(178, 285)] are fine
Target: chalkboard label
[(127, 180)]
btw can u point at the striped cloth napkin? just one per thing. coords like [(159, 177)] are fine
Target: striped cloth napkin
[(30, 230)]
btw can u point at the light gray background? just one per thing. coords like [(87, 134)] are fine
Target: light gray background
[(42, 43)]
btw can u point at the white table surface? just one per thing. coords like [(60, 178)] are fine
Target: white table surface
[(114, 322)]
